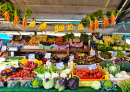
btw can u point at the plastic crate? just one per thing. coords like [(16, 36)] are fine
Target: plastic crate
[(66, 47), (89, 81), (13, 82), (46, 47), (25, 82)]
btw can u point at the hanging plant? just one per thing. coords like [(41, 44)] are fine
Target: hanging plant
[(27, 14), (7, 11), (86, 21), (16, 16)]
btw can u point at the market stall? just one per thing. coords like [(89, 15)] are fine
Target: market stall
[(78, 55)]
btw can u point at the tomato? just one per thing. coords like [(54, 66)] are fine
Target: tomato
[(77, 74), (94, 76), (96, 70), (77, 69), (84, 73), (100, 70), (98, 75), (87, 71), (91, 76), (91, 72), (74, 73), (81, 75)]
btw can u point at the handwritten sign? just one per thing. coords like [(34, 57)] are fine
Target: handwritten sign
[(60, 65), (31, 57), (48, 55), (92, 66), (92, 53)]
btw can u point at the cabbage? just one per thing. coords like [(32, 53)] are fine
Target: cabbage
[(60, 84), (119, 75), (96, 85), (36, 82), (48, 83)]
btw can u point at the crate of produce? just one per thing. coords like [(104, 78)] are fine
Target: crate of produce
[(61, 45), (90, 75), (76, 39), (25, 82), (31, 45), (50, 39), (13, 82), (43, 38), (75, 46), (46, 45), (98, 38), (16, 43), (59, 39)]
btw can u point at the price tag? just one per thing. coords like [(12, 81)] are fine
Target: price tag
[(60, 65), (48, 63), (30, 35), (70, 63), (3, 47), (92, 53), (93, 66), (12, 54), (48, 55), (124, 52), (31, 57), (114, 53)]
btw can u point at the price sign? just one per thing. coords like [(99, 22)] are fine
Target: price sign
[(3, 47), (124, 52), (114, 53), (60, 65), (92, 66), (48, 63), (48, 55), (92, 53), (31, 57)]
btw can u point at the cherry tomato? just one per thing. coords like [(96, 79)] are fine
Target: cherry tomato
[(84, 73), (74, 73), (100, 70), (81, 75), (96, 70), (94, 76), (98, 75), (87, 71), (91, 76), (91, 72)]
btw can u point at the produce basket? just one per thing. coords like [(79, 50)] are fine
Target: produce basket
[(97, 37), (84, 82), (31, 45), (62, 45), (25, 82), (13, 82), (46, 47), (20, 45)]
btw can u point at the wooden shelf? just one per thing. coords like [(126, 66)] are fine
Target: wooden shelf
[(55, 51)]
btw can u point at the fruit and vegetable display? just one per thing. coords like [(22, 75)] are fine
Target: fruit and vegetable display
[(75, 44), (105, 55), (31, 44), (85, 59), (16, 42), (59, 39), (34, 38), (50, 39)]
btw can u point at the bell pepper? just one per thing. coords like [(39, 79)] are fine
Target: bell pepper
[(24, 61), (40, 62), (44, 60)]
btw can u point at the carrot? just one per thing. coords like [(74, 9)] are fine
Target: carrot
[(91, 26), (105, 22), (23, 23), (96, 25), (112, 19), (0, 13)]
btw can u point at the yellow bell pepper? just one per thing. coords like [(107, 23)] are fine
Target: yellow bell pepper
[(40, 62), (36, 61), (24, 61)]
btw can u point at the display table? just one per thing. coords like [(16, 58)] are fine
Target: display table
[(84, 89)]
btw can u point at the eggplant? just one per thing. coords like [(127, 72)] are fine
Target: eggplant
[(56, 58)]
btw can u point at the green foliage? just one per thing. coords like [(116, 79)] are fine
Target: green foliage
[(68, 36), (113, 68), (105, 55), (104, 64), (104, 47), (84, 37), (107, 85), (120, 54), (124, 66), (86, 21), (16, 12), (115, 12), (28, 12)]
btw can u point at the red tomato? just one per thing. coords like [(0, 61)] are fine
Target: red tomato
[(100, 70), (84, 73), (81, 75), (91, 72), (96, 70), (74, 73), (94, 76), (98, 75), (91, 76), (77, 74), (87, 71)]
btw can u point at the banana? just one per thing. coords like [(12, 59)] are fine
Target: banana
[(43, 26), (56, 28), (32, 24), (61, 27), (80, 27), (70, 27)]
